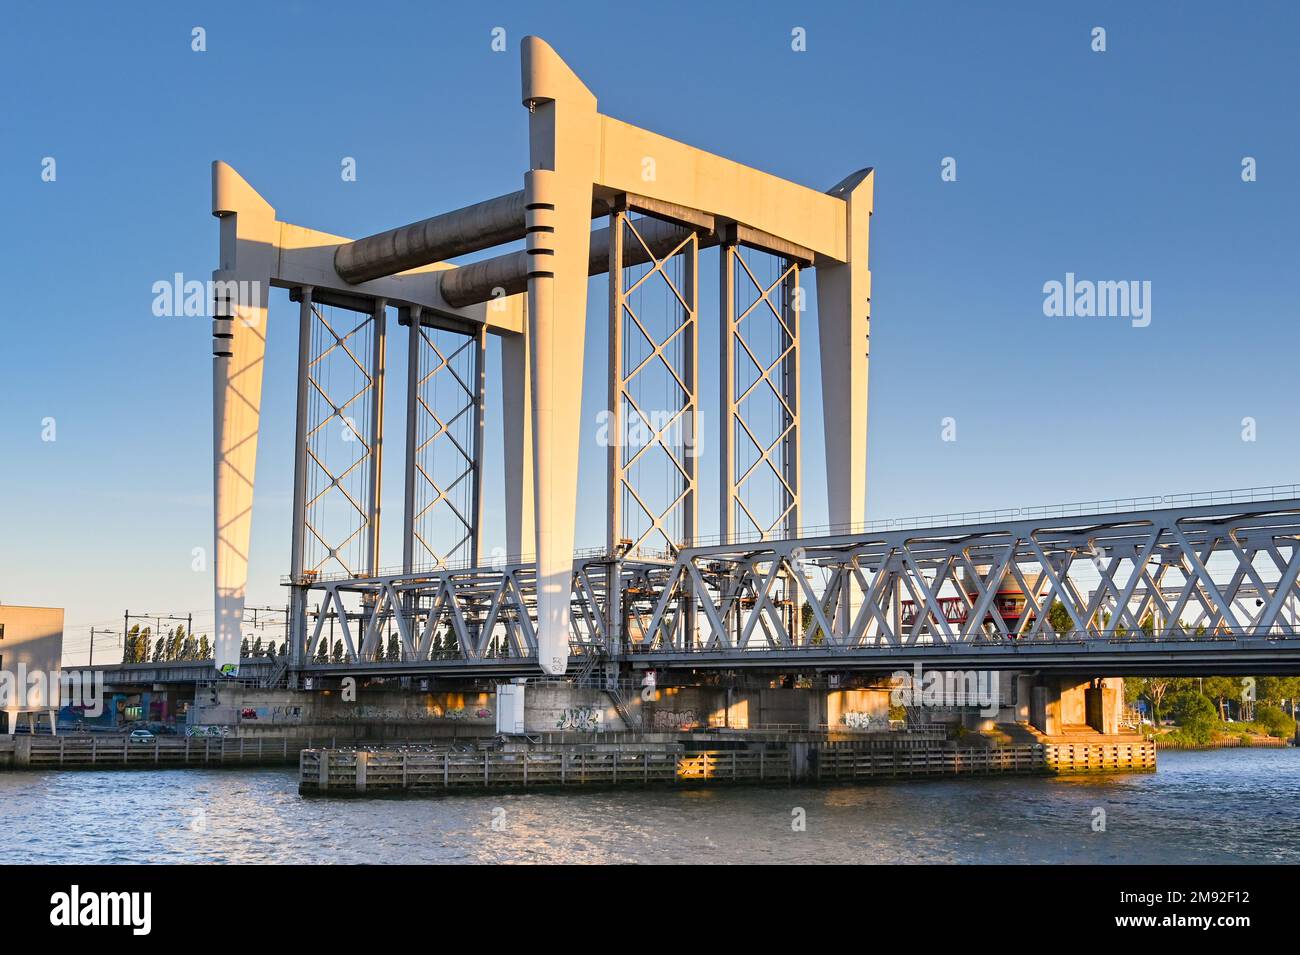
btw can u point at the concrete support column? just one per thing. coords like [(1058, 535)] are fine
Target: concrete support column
[(844, 327), (1061, 702), (1045, 707), (564, 141), (1104, 704), (241, 289)]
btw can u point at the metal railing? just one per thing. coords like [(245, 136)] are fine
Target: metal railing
[(1000, 642), (1252, 495)]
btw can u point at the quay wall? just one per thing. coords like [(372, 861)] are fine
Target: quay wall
[(548, 707)]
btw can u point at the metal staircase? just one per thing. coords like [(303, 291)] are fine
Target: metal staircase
[(630, 720)]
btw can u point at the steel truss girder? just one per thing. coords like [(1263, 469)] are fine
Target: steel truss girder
[(478, 614), (1140, 590), (1159, 575)]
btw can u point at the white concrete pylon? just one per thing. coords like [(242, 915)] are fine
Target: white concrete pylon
[(844, 332), (564, 139), (240, 290), (844, 328)]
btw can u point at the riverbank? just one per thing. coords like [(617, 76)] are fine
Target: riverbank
[(1223, 742)]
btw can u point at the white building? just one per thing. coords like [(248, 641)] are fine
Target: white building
[(31, 641)]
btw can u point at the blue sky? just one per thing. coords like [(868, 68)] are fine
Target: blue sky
[(1117, 165)]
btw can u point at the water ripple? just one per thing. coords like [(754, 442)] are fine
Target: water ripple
[(1219, 806)]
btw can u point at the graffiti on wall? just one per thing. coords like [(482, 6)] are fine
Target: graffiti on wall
[(858, 721), (284, 713), (581, 719), (676, 719), (465, 713), (363, 711), (203, 731)]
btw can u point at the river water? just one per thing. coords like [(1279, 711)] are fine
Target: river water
[(1201, 807)]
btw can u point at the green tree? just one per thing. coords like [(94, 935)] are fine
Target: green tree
[(1221, 689), (244, 648), (257, 646), (337, 655), (394, 648), (1190, 707), (1059, 619), (1134, 690), (205, 651), (1277, 689), (159, 650), (1195, 715), (270, 649), (1158, 687), (1275, 721), (806, 625), (175, 640), (131, 646)]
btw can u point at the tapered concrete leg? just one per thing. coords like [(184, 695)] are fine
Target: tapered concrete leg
[(844, 326), (241, 288), (564, 139), (54, 723), (11, 721)]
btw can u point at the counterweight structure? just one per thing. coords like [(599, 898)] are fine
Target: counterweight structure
[(666, 203)]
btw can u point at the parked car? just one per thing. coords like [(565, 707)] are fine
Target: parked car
[(141, 736)]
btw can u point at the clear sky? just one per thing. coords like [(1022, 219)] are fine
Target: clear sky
[(1117, 165)]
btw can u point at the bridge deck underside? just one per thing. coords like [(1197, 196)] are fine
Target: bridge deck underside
[(1194, 589)]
